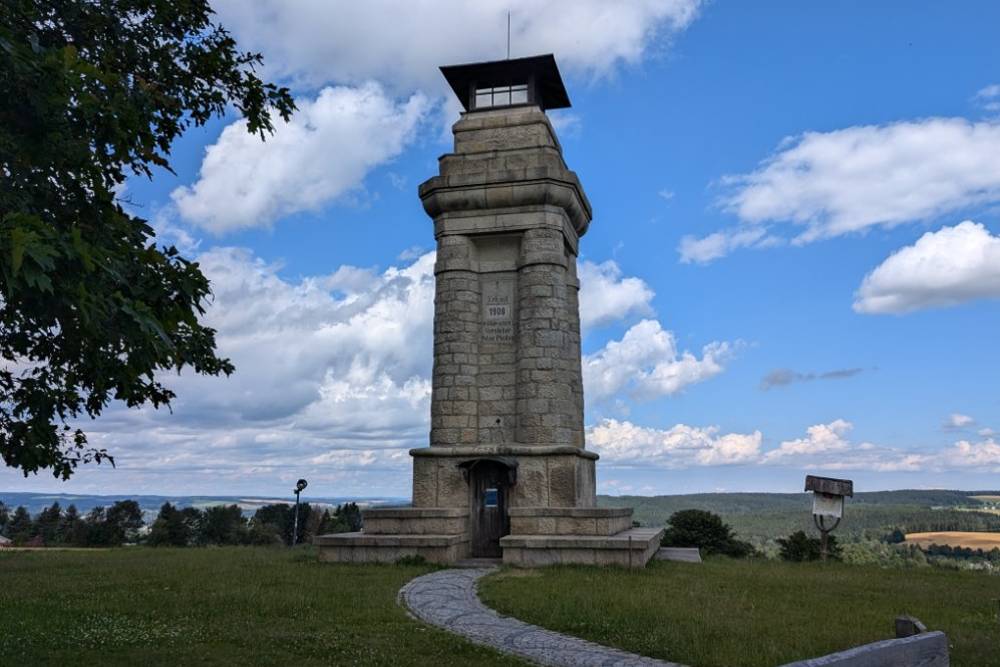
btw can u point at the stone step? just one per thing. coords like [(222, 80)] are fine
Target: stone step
[(681, 555), (629, 548)]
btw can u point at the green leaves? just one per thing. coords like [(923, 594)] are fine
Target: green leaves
[(92, 310)]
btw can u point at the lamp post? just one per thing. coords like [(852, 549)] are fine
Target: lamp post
[(299, 487), (828, 503)]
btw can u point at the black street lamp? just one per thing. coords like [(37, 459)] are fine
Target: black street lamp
[(299, 487)]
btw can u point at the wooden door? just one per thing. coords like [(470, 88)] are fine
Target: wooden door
[(489, 487)]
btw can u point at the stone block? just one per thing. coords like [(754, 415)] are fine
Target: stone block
[(631, 548)]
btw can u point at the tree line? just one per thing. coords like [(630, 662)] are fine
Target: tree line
[(122, 523)]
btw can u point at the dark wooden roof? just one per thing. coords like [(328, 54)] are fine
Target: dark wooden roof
[(830, 485), (551, 93)]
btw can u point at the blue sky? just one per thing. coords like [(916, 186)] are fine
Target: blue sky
[(793, 267)]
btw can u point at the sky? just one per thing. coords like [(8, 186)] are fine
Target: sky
[(793, 266)]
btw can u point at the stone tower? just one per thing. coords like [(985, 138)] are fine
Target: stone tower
[(506, 473)]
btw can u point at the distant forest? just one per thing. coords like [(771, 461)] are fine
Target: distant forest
[(759, 517), (123, 523)]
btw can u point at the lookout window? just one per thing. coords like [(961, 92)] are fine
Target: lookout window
[(503, 96)]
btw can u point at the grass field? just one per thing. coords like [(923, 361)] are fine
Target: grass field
[(953, 538), (727, 613), (223, 606), (987, 499)]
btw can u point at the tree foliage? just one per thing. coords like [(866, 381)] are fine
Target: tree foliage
[(706, 531), (799, 547), (91, 307)]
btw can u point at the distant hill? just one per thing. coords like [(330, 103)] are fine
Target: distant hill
[(763, 516), (36, 502)]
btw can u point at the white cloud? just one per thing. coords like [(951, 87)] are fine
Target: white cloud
[(828, 447), (332, 379), (820, 439), (989, 97), (719, 244), (323, 153), (957, 420), (605, 296), (622, 442), (827, 184), (983, 455), (646, 363), (402, 44), (943, 268), (825, 447)]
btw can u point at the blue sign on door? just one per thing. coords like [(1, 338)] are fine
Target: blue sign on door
[(491, 498)]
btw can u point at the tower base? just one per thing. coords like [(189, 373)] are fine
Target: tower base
[(539, 536)]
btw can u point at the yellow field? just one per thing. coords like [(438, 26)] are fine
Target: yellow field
[(985, 541), (987, 499)]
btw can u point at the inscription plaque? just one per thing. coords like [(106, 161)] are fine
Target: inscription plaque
[(498, 312)]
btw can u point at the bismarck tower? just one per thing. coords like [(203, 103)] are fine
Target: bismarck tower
[(507, 473)]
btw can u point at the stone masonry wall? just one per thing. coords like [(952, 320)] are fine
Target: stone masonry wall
[(454, 394)]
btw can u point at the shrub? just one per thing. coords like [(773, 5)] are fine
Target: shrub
[(799, 547), (707, 532)]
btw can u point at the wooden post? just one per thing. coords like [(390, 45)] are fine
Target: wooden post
[(824, 535)]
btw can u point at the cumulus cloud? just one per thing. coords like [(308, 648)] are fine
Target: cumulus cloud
[(624, 443), (646, 363), (943, 268), (332, 378), (827, 184), (324, 152), (983, 455), (403, 43), (605, 296), (820, 439), (828, 447), (782, 377), (824, 447)]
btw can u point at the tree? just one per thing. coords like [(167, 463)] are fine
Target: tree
[(897, 536), (351, 514), (706, 531), (222, 524), (47, 524), (96, 534), (124, 519), (73, 530), (281, 518), (333, 523), (174, 527), (20, 527), (91, 308), (799, 547), (4, 518)]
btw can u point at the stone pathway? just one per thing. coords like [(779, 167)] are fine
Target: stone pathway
[(448, 599)]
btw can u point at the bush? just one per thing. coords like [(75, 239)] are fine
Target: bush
[(707, 532), (799, 547)]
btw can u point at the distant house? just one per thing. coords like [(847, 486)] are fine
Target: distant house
[(5, 542)]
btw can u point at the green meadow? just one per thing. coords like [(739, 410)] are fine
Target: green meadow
[(729, 613)]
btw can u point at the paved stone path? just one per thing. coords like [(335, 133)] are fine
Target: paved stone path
[(448, 599)]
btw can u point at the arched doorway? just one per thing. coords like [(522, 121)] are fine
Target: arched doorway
[(490, 480)]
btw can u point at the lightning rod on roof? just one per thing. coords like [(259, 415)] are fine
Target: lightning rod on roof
[(508, 35)]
